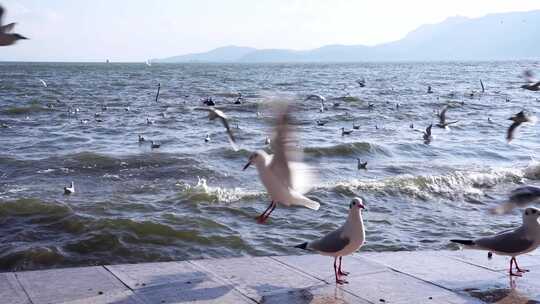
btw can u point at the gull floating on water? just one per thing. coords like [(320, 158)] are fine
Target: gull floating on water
[(345, 132), (7, 38), (519, 197), (355, 126), (517, 119), (207, 138), (154, 145), (70, 189), (283, 174), (429, 90), (141, 139), (511, 243), (343, 241), (215, 113), (321, 123), (362, 165), (361, 82)]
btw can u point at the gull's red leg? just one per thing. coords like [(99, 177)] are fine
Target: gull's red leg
[(261, 218), (341, 272), (512, 274), (339, 281), (335, 270), (519, 269)]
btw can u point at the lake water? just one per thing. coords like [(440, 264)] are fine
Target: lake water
[(190, 199)]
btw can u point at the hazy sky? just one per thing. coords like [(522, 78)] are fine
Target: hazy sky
[(122, 30)]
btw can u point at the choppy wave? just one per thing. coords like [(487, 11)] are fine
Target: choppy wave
[(34, 108), (348, 149), (450, 186)]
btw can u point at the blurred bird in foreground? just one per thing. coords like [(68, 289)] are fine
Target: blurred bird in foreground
[(283, 174), (6, 37)]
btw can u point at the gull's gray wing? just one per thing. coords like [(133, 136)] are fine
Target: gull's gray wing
[(332, 242), (282, 146), (286, 163), (524, 195), (229, 131), (7, 28), (510, 132), (442, 116), (1, 14), (507, 242)]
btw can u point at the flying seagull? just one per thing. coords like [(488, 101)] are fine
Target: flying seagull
[(427, 134), (43, 82), (283, 174), (442, 119), (343, 241), (214, 113), (6, 37), (532, 83), (517, 119), (513, 243), (519, 197)]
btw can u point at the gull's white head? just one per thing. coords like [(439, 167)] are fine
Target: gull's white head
[(357, 203), (257, 157), (531, 215)]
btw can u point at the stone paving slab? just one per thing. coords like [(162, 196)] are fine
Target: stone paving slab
[(322, 267), (498, 263), (321, 294), (438, 269), (137, 276), (259, 276), (69, 284), (11, 291), (200, 290)]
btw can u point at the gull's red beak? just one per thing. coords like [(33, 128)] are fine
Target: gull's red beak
[(361, 206)]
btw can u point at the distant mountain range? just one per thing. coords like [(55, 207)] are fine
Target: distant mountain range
[(505, 36)]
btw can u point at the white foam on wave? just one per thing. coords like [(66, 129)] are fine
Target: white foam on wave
[(451, 186), (202, 191)]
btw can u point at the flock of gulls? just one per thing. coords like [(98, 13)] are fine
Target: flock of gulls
[(287, 179)]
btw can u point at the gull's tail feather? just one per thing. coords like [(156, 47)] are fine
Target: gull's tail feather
[(302, 246), (469, 243), (311, 204), (306, 202)]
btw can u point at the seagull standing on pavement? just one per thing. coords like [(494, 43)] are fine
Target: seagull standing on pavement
[(343, 241), (512, 243)]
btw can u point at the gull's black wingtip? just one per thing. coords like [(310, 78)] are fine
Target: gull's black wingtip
[(302, 246), (463, 242)]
